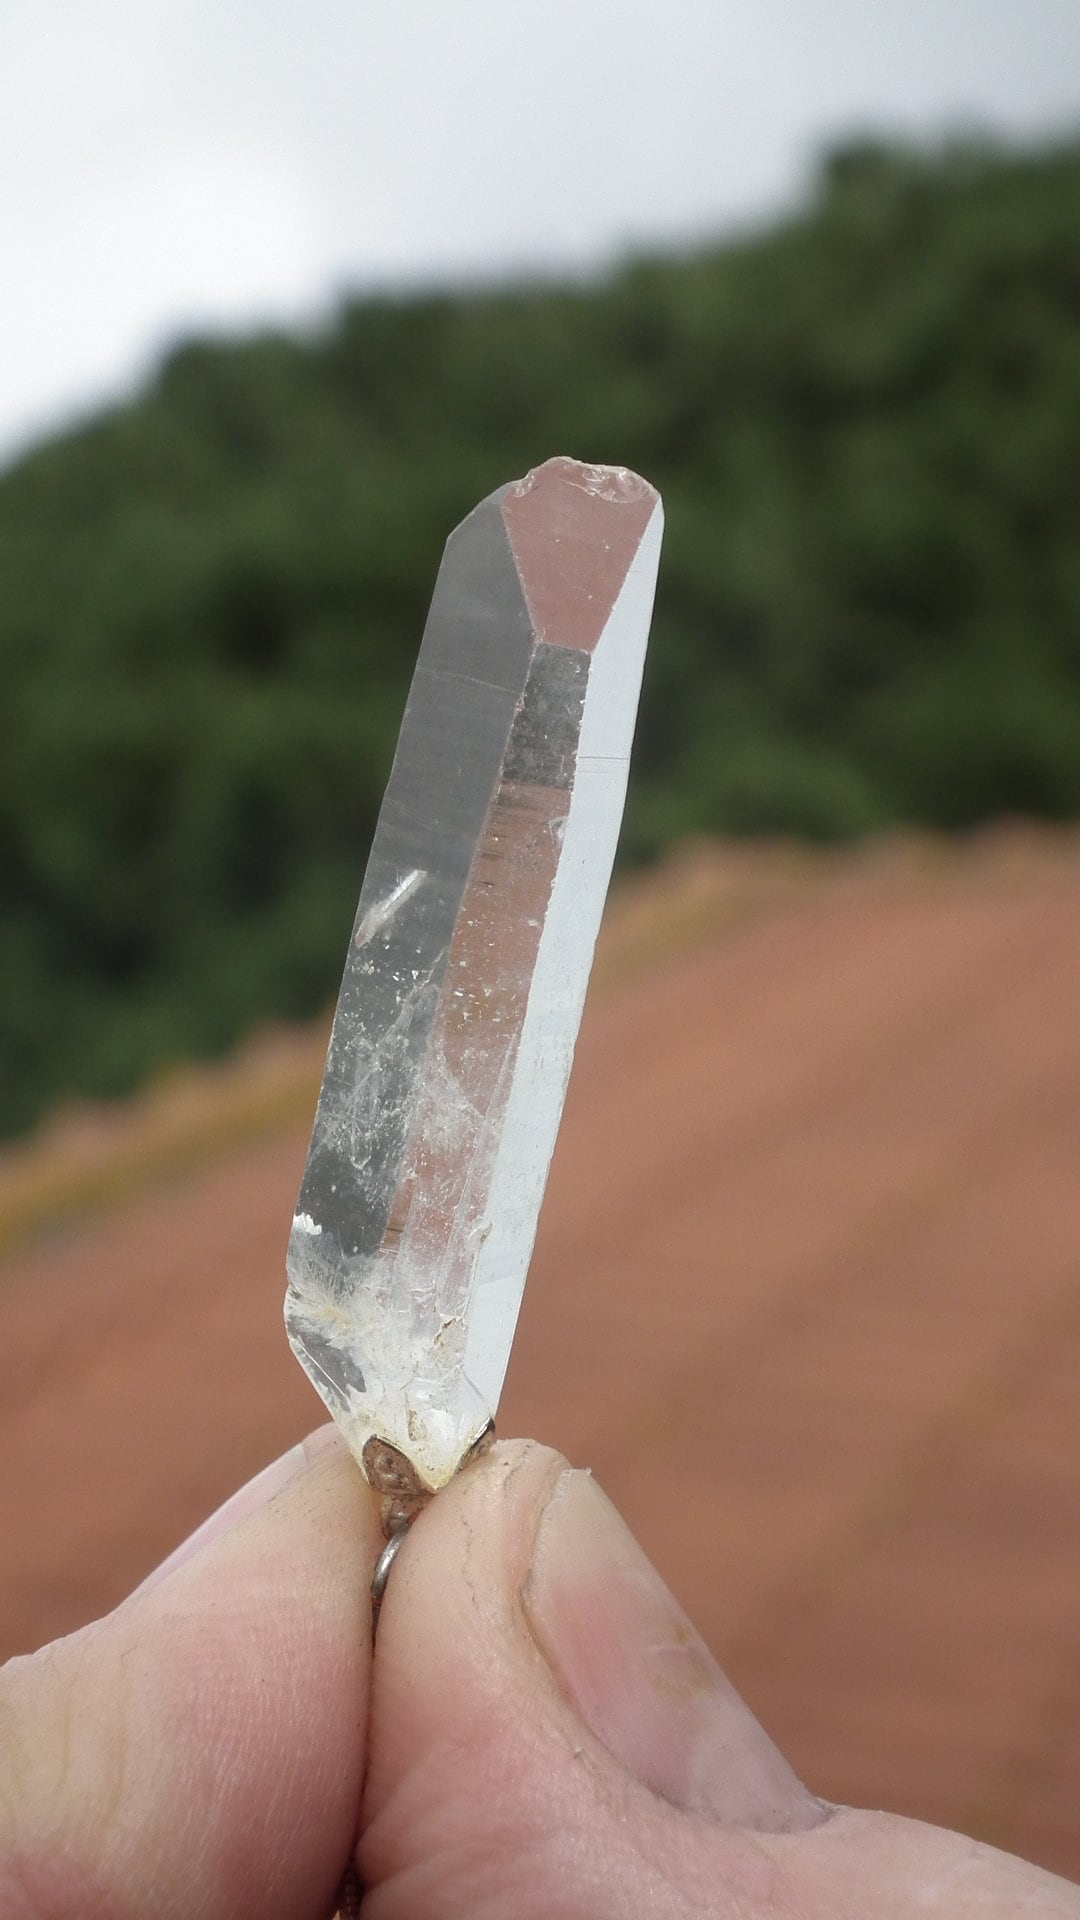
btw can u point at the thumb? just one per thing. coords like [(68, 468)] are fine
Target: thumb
[(200, 1750), (549, 1736)]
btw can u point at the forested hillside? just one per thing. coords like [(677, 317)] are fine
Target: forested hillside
[(866, 424)]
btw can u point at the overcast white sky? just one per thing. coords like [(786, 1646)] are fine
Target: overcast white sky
[(166, 164)]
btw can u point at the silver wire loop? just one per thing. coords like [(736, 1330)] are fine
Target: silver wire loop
[(382, 1571), (349, 1895)]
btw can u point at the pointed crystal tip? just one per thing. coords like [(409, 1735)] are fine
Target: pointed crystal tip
[(574, 532)]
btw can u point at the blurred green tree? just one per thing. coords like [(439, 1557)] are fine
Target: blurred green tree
[(866, 423)]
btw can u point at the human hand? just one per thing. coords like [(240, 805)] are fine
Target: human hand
[(541, 1736)]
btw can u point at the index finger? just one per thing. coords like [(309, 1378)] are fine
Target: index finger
[(201, 1749)]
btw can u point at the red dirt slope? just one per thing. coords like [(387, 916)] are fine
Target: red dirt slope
[(806, 1296)]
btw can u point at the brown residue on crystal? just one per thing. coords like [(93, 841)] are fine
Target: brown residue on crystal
[(394, 1477), (402, 1492)]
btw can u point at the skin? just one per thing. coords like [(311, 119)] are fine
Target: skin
[(541, 1735)]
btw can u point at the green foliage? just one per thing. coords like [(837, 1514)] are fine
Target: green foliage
[(866, 424)]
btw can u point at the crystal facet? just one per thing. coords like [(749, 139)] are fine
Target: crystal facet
[(468, 963)]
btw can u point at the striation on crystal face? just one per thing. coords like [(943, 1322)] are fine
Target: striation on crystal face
[(467, 968)]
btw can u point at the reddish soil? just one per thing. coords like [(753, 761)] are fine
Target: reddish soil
[(806, 1297)]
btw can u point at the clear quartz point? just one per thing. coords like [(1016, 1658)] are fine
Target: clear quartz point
[(468, 963)]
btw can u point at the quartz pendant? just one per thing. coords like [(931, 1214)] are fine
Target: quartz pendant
[(467, 968)]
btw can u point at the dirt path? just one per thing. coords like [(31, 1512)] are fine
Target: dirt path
[(806, 1297)]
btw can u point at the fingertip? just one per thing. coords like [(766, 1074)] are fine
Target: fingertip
[(537, 1696), (324, 1445), (203, 1746), (457, 1684)]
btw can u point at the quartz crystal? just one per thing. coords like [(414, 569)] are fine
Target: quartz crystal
[(468, 963)]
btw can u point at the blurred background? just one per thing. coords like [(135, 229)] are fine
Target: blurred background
[(282, 298)]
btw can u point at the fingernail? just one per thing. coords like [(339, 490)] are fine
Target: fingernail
[(249, 1498), (628, 1659)]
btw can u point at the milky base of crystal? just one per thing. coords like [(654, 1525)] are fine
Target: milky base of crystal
[(390, 1379)]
